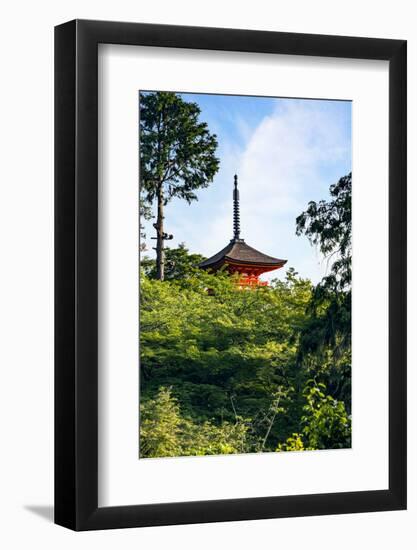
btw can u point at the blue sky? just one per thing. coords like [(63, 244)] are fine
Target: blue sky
[(285, 152)]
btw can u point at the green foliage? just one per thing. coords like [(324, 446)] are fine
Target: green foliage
[(145, 213), (326, 423), (294, 443), (177, 150), (164, 432), (266, 369), (328, 225), (159, 425), (179, 264), (325, 343), (177, 157), (230, 359)]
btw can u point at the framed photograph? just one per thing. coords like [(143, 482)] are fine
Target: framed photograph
[(230, 252)]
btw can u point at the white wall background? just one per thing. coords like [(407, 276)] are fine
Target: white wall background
[(26, 291)]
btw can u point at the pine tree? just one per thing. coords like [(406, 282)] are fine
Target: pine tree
[(177, 156)]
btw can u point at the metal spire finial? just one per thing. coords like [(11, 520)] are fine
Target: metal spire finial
[(236, 213)]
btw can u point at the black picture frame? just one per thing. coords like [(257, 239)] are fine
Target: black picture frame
[(76, 272)]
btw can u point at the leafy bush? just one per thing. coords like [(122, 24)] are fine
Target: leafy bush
[(223, 370), (164, 432)]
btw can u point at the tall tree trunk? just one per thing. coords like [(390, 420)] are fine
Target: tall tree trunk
[(160, 254)]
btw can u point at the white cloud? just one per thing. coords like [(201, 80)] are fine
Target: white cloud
[(280, 170), (283, 164)]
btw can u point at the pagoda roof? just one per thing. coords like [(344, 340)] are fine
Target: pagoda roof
[(238, 252)]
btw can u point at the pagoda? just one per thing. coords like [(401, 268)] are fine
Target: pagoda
[(239, 257)]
